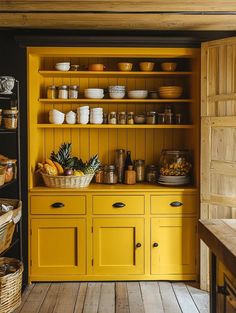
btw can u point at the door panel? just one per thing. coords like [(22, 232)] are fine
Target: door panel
[(218, 131), (114, 246), (58, 246), (175, 253)]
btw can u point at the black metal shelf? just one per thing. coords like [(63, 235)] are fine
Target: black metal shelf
[(8, 131), (7, 184)]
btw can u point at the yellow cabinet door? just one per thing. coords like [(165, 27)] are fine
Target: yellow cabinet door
[(173, 245), (57, 246), (118, 246)]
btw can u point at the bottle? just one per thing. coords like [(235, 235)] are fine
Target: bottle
[(130, 176), (128, 160), (139, 166)]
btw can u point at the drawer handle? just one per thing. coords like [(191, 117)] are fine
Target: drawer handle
[(58, 205), (118, 205), (138, 245), (176, 204), (155, 245)]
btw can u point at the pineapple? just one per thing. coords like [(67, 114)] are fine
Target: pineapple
[(88, 167), (63, 156)]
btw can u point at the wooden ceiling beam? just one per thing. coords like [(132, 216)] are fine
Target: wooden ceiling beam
[(125, 21)]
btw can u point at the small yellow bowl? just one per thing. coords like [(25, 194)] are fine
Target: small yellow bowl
[(125, 66), (168, 66), (146, 66)]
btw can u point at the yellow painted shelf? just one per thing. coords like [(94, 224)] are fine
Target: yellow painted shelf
[(45, 100), (110, 74), (105, 126)]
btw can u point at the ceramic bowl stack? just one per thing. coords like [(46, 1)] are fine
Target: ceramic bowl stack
[(94, 93), (170, 92), (62, 66), (116, 92), (83, 115), (138, 94), (173, 180), (56, 117), (96, 116), (70, 117)]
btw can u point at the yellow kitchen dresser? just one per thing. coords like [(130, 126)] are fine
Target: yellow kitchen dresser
[(81, 234)]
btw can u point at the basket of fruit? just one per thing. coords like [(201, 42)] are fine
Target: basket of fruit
[(64, 171)]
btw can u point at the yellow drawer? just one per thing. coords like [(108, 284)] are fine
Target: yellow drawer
[(174, 204), (118, 204), (58, 204)]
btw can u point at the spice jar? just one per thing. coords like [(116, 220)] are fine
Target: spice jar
[(63, 92), (169, 118), (10, 169), (112, 119), (120, 164), (122, 118), (0, 117), (139, 166), (179, 118), (130, 118), (99, 175), (161, 118), (52, 92), (10, 118), (74, 67), (151, 118), (110, 175), (151, 173), (105, 118), (73, 92)]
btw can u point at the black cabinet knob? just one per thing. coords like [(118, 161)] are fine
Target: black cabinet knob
[(155, 245), (138, 245), (58, 205), (118, 205), (176, 204)]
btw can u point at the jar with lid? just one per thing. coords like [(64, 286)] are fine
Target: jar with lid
[(175, 163), (121, 118), (120, 164), (139, 166), (161, 118), (99, 175), (179, 118), (151, 118), (10, 118), (10, 169), (73, 92), (105, 118), (110, 174), (63, 92), (52, 92), (130, 118), (169, 118), (151, 173), (112, 119)]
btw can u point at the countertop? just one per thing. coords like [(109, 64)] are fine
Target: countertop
[(220, 236)]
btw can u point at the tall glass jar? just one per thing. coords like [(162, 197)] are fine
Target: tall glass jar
[(151, 173), (121, 118), (112, 119), (139, 166), (63, 92), (120, 164), (73, 92), (110, 174), (175, 163), (52, 92), (130, 118)]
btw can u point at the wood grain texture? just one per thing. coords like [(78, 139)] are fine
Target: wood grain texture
[(184, 298), (151, 297), (121, 6), (118, 21)]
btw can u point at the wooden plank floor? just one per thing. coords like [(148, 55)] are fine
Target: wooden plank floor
[(110, 297)]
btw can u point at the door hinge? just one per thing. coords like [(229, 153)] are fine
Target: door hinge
[(92, 262), (92, 229)]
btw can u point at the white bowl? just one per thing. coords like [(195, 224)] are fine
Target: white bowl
[(85, 107), (94, 95), (63, 66), (117, 95), (94, 90), (56, 120), (138, 94), (83, 119), (56, 113)]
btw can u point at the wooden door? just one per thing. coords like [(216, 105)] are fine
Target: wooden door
[(218, 136), (118, 246), (57, 247), (173, 242)]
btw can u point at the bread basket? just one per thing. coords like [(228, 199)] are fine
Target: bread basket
[(67, 181)]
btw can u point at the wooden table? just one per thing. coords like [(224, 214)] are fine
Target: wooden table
[(220, 236)]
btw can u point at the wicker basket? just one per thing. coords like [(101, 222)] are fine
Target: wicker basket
[(10, 285), (67, 181), (8, 222)]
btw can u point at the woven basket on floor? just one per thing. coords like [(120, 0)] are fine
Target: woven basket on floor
[(8, 222), (10, 285), (67, 181)]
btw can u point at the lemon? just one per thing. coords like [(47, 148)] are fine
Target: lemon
[(78, 173)]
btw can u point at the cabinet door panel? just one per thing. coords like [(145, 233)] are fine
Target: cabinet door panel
[(58, 246), (176, 239), (114, 249)]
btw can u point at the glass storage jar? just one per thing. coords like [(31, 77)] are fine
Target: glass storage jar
[(120, 164), (52, 92), (10, 118), (73, 92), (151, 173), (63, 92), (99, 175), (161, 118), (179, 118), (121, 118), (112, 119), (130, 118), (175, 163), (151, 118), (110, 174), (139, 166)]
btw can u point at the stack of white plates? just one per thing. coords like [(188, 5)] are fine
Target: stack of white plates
[(173, 180), (96, 116)]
